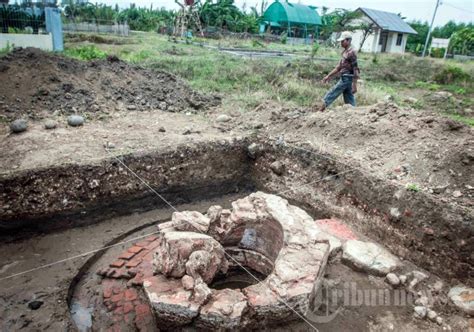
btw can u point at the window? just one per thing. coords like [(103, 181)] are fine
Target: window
[(399, 39)]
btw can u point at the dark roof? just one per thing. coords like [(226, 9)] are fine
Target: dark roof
[(388, 21)]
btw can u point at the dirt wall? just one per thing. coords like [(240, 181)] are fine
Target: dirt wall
[(416, 226), (71, 195)]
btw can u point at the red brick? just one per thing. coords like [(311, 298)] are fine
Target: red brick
[(127, 255), (118, 263), (114, 328), (107, 292), (142, 310), (131, 294), (127, 307), (110, 273), (117, 289), (118, 311), (122, 274), (152, 238), (135, 249), (152, 245), (134, 262), (117, 297), (143, 243)]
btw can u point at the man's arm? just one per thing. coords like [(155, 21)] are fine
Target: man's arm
[(331, 74), (356, 71), (354, 79)]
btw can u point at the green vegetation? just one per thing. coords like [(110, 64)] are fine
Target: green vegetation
[(461, 34), (413, 187), (452, 74), (7, 49), (89, 52), (247, 83)]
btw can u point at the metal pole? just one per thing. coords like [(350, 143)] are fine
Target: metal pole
[(431, 26)]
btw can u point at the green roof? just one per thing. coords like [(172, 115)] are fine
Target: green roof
[(284, 12)]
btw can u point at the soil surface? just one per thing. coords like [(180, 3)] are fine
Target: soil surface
[(127, 109), (42, 84)]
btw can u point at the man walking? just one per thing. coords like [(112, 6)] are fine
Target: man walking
[(349, 71)]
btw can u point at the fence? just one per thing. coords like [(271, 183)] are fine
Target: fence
[(105, 27), (30, 27)]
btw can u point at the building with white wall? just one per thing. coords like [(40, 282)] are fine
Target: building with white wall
[(389, 32)]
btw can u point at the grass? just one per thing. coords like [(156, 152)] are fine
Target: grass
[(246, 83), (413, 187)]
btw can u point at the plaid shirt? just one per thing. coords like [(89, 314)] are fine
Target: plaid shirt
[(348, 64)]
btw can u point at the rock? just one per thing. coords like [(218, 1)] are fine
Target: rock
[(403, 279), (253, 150), (175, 249), (172, 304), (162, 130), (187, 131), (411, 128), (369, 257), (35, 304), (131, 107), (422, 301), (420, 312), (437, 286), (411, 100), (277, 167), (18, 126), (388, 98), (223, 118), (432, 315), (441, 95), (109, 145), (453, 125), (457, 194), (50, 124), (392, 279), (202, 292), (202, 265), (419, 275), (187, 282), (463, 298), (224, 312), (439, 320), (191, 221), (75, 120)]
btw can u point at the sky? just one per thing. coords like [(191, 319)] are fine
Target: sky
[(457, 10)]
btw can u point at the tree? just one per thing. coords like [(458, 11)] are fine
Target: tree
[(338, 20), (367, 30), (462, 42)]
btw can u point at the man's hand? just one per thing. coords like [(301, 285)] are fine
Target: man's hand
[(354, 88), (326, 79)]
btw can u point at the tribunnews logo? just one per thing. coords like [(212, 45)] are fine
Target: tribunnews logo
[(330, 301)]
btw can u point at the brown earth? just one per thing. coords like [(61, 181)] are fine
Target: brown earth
[(39, 84), (400, 146)]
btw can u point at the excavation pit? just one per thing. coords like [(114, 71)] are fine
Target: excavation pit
[(319, 184)]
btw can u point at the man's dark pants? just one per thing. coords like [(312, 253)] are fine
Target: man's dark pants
[(344, 86)]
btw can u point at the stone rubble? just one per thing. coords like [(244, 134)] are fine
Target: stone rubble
[(262, 232), (369, 257), (463, 298)]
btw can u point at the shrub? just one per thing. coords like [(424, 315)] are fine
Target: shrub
[(451, 74), (86, 53)]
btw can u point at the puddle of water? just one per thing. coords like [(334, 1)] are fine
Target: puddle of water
[(82, 316)]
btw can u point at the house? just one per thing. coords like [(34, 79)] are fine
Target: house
[(298, 20), (388, 32)]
